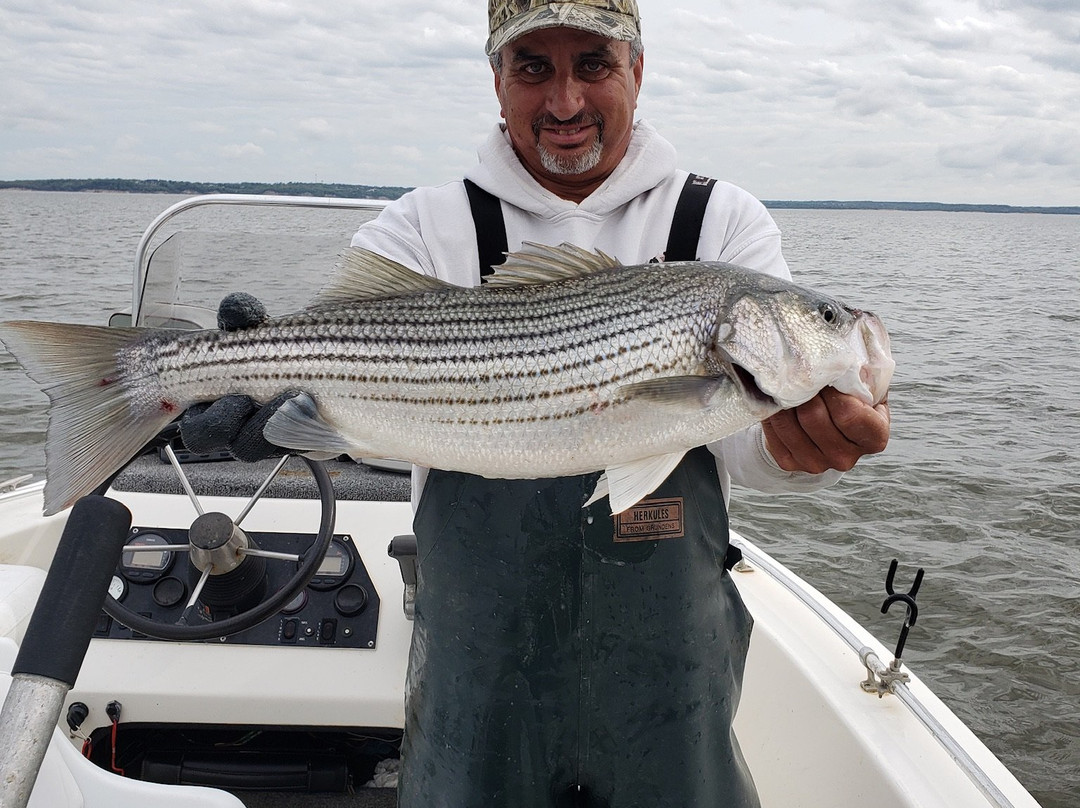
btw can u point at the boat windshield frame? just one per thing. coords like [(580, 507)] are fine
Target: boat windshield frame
[(144, 253)]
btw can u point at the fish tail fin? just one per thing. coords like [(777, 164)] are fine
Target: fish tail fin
[(93, 427)]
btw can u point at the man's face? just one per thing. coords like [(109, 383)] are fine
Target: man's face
[(568, 98)]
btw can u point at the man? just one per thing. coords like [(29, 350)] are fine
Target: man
[(560, 658), (562, 696)]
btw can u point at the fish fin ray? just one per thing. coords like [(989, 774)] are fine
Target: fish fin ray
[(92, 429), (629, 483), (299, 426), (599, 492), (364, 275), (538, 263), (681, 392)]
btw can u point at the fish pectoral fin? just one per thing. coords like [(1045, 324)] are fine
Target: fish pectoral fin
[(683, 392), (538, 263), (298, 425), (364, 275), (628, 484)]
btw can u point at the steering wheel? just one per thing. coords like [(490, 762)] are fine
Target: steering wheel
[(218, 547)]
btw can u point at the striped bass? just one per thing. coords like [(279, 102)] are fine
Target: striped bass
[(566, 362)]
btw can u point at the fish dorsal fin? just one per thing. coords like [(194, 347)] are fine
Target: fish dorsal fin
[(363, 275), (539, 263)]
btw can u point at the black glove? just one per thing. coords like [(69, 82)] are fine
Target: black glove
[(234, 423), (239, 311)]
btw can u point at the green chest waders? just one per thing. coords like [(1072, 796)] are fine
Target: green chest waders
[(561, 657)]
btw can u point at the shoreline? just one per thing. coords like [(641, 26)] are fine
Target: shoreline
[(390, 192)]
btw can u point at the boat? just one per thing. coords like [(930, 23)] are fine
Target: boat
[(294, 694)]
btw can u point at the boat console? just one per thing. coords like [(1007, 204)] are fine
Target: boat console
[(309, 698), (338, 607)]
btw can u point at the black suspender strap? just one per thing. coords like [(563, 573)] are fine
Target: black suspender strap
[(490, 228), (689, 215), (682, 242)]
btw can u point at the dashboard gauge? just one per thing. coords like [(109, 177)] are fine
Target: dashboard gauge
[(145, 565), (117, 587), (169, 591), (296, 604), (335, 567)]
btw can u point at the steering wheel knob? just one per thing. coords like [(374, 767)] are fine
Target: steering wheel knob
[(216, 543)]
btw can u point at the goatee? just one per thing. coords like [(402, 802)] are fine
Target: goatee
[(570, 164)]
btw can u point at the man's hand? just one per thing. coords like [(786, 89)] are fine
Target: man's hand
[(240, 310), (234, 423), (830, 431)]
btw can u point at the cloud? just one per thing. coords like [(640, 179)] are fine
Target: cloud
[(926, 98), (54, 154), (208, 127), (243, 151), (126, 143), (408, 153), (962, 34), (317, 128)]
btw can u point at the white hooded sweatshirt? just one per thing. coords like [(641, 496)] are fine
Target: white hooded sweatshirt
[(628, 217)]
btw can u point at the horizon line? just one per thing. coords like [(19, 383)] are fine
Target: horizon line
[(394, 191)]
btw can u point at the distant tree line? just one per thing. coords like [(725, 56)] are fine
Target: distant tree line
[(338, 189), (828, 204), (334, 189)]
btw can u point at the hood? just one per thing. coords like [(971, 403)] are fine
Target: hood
[(649, 160)]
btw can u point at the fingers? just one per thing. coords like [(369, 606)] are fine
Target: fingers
[(232, 424), (831, 431), (804, 439), (208, 428), (249, 444), (865, 426), (240, 310)]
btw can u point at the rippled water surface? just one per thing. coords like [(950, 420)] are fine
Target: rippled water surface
[(980, 484)]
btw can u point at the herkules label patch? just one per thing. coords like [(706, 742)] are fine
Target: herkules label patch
[(651, 519)]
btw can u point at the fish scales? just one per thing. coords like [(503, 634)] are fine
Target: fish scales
[(565, 363), (484, 330), (469, 371), (494, 349)]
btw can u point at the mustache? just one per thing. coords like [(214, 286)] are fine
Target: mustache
[(549, 121)]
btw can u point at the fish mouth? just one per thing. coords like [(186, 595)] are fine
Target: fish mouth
[(748, 386)]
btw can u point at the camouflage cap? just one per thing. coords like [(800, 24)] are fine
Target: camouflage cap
[(509, 19)]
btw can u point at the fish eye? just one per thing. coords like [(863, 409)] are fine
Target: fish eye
[(829, 313)]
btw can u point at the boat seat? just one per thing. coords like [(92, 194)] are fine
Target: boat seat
[(69, 780), (20, 586)]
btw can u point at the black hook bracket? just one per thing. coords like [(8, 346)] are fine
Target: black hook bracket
[(882, 679), (907, 598)]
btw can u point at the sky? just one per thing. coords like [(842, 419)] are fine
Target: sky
[(964, 101)]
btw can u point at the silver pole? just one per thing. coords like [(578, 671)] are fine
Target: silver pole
[(27, 721)]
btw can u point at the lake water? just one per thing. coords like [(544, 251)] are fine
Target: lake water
[(980, 484)]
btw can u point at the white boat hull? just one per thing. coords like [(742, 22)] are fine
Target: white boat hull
[(811, 735)]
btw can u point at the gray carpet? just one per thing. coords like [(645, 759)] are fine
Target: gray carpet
[(352, 481), (364, 798)]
